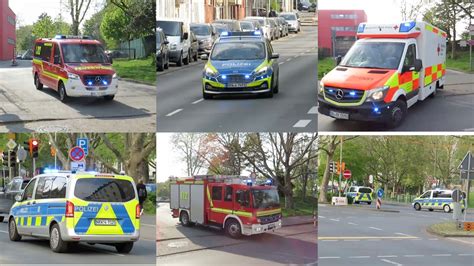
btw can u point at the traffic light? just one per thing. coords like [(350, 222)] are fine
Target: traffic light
[(338, 168), (331, 167), (53, 151), (5, 158), (34, 145), (12, 158)]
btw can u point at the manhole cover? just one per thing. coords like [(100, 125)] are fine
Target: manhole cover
[(178, 244), (49, 129)]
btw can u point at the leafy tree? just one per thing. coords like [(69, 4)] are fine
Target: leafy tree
[(92, 26), (44, 27), (25, 38)]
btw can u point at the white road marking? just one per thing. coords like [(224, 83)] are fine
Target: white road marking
[(329, 257), (416, 239), (413, 256), (3, 232), (335, 220), (295, 56), (198, 101), (402, 234), (321, 216), (281, 63), (465, 254), (301, 53), (309, 50), (302, 123), (387, 256), (313, 110), (288, 59), (462, 241), (441, 255), (352, 223), (391, 262), (469, 129), (149, 225), (373, 240), (359, 257), (330, 240), (433, 239), (350, 240), (174, 112), (375, 228)]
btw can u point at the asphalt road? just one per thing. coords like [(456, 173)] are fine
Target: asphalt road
[(450, 110), (37, 251), (209, 246), (25, 109), (182, 108), (359, 235)]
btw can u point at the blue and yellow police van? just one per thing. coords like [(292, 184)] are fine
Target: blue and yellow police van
[(241, 63), (436, 199), (68, 208), (360, 194)]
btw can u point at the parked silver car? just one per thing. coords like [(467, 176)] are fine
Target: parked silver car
[(293, 21), (264, 22), (274, 28), (283, 26), (8, 193)]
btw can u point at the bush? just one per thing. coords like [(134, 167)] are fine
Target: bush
[(150, 204), (350, 200)]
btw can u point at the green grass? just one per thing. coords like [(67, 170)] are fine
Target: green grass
[(471, 200), (142, 70), (325, 65), (460, 63), (302, 208), (449, 228)]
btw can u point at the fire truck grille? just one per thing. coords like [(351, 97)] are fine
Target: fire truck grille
[(269, 218), (97, 80), (343, 95)]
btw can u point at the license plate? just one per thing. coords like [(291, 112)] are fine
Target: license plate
[(97, 93), (105, 222), (236, 85), (339, 115)]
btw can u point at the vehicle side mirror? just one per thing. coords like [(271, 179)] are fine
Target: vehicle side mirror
[(110, 59), (338, 59), (418, 65), (57, 60), (166, 42), (185, 36), (18, 197), (275, 56), (204, 57)]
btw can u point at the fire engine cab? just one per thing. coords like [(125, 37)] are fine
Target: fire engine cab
[(74, 66), (390, 68), (233, 203)]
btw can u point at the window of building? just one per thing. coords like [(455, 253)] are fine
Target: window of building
[(343, 16), (343, 28), (11, 20)]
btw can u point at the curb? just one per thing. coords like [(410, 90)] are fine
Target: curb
[(138, 81), (298, 223), (431, 231)]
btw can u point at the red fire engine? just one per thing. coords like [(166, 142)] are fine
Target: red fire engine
[(233, 203)]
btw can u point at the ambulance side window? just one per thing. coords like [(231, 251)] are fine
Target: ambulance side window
[(410, 56), (28, 193), (38, 48), (58, 189), (228, 193), (216, 193)]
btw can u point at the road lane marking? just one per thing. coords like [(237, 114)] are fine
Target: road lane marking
[(402, 234), (198, 101), (375, 228), (462, 241), (413, 256), (373, 240), (150, 225), (416, 239), (387, 256), (302, 123), (309, 50), (441, 255), (391, 262), (321, 216), (351, 240), (174, 112), (335, 220), (330, 240), (465, 254), (301, 53), (359, 257), (281, 63), (352, 223), (365, 237), (329, 257), (3, 232), (313, 110), (288, 59), (295, 56)]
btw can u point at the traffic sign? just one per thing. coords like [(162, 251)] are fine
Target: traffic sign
[(380, 193), (21, 154), (78, 166), (84, 144), (347, 174), (11, 144), (76, 154), (467, 167)]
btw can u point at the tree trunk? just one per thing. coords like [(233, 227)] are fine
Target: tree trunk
[(325, 181)]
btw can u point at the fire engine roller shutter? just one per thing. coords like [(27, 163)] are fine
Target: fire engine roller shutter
[(174, 200), (184, 197), (197, 203)]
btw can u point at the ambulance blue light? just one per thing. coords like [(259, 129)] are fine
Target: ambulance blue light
[(352, 93), (60, 37), (331, 90), (224, 76), (407, 26), (361, 28), (269, 181), (50, 171), (105, 82), (258, 33), (376, 109), (247, 76)]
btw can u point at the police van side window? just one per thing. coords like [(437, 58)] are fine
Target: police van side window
[(216, 193), (58, 188), (444, 194), (410, 56), (28, 194), (46, 189), (426, 195), (39, 188)]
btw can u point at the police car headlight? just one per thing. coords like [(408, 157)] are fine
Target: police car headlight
[(262, 71), (321, 87), (72, 76), (210, 72), (377, 94), (115, 76)]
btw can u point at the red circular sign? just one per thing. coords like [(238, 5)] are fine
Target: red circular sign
[(347, 174), (76, 154)]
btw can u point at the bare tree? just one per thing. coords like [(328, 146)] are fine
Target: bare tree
[(78, 10), (191, 146)]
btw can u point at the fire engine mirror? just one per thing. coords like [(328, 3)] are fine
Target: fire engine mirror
[(185, 36), (338, 59), (57, 60)]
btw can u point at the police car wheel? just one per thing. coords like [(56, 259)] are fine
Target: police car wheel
[(55, 241), (62, 93), (38, 84), (232, 228), (397, 114), (446, 208), (276, 88), (187, 59), (109, 97), (124, 248), (12, 231), (417, 206), (180, 60), (369, 202), (184, 218), (430, 210)]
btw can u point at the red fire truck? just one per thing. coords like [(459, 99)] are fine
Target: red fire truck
[(236, 204)]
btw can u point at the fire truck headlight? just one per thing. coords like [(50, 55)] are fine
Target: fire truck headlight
[(115, 76), (377, 94), (72, 76)]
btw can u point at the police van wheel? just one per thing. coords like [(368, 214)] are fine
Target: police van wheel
[(180, 60), (187, 59), (55, 241), (12, 231), (124, 248), (38, 84), (369, 202), (398, 114), (417, 206), (232, 228), (276, 88), (62, 93), (109, 97), (446, 208), (184, 219)]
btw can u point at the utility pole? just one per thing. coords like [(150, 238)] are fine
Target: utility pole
[(340, 163)]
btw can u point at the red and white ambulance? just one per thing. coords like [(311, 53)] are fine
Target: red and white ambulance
[(387, 70), (74, 66), (233, 203)]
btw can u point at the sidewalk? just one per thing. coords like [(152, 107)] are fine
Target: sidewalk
[(297, 220), (20, 64), (457, 83)]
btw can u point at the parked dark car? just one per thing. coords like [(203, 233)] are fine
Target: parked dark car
[(194, 47), (206, 36), (219, 28), (233, 24), (162, 51), (8, 193)]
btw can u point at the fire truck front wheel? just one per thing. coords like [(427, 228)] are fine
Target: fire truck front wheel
[(184, 219), (38, 84), (233, 229), (62, 93)]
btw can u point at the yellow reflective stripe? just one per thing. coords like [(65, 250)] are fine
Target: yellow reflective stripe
[(221, 210), (209, 65), (269, 212), (362, 100), (209, 197), (48, 44), (393, 82), (429, 27)]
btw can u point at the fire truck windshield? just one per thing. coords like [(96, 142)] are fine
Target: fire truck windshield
[(384, 55), (265, 198), (84, 53)]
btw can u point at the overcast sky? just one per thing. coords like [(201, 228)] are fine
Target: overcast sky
[(28, 11), (168, 161)]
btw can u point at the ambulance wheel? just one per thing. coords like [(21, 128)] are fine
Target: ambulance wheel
[(184, 218), (124, 248), (12, 232), (433, 94), (38, 84), (232, 228), (446, 208), (55, 241), (180, 60), (356, 202), (109, 97), (62, 93), (397, 114), (417, 206)]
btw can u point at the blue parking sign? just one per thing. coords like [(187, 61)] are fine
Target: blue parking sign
[(84, 144), (380, 193)]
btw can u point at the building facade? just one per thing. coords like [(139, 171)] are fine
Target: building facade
[(337, 30), (186, 10), (7, 31)]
